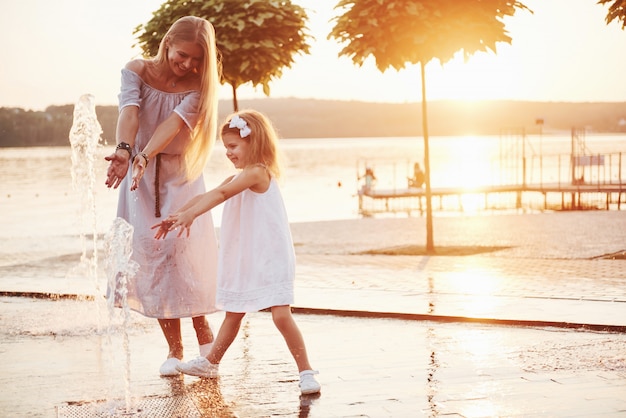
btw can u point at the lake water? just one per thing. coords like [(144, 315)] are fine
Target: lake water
[(41, 211), (320, 181)]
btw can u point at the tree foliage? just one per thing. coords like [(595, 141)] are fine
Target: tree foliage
[(403, 32), (256, 39), (617, 10)]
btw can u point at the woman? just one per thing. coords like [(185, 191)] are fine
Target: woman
[(165, 133)]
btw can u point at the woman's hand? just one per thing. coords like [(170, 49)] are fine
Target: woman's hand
[(118, 168), (139, 168)]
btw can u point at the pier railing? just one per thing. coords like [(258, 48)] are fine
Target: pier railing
[(566, 169), (540, 182)]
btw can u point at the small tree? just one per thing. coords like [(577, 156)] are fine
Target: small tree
[(401, 32), (257, 39)]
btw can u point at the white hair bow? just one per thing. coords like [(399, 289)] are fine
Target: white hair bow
[(242, 125)]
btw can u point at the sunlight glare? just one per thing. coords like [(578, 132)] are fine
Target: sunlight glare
[(478, 287), (484, 408), (484, 76), (466, 173), (473, 202)]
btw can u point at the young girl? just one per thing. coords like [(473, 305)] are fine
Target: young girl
[(256, 265)]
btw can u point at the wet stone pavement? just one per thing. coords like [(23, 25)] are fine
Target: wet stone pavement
[(533, 330)]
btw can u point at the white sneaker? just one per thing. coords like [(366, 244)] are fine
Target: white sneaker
[(308, 383), (168, 368), (200, 367)]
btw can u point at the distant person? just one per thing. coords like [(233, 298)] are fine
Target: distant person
[(369, 179), (579, 180), (165, 133), (256, 268), (417, 180)]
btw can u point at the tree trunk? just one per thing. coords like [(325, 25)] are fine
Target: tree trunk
[(430, 244), (235, 104)]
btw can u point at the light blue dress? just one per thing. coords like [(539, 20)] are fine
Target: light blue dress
[(176, 277)]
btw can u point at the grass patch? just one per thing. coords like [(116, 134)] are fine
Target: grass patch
[(439, 250), (620, 255)]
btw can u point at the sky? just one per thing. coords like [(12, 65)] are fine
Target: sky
[(55, 51)]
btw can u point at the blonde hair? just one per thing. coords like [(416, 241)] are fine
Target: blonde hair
[(195, 29), (263, 140)]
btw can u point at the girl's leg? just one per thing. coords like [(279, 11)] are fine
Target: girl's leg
[(171, 330), (291, 333), (225, 337), (208, 366), (203, 330)]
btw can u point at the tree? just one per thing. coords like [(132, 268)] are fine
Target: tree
[(401, 32), (257, 39), (617, 10)]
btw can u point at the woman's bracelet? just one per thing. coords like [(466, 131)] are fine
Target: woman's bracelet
[(126, 147), (145, 157)]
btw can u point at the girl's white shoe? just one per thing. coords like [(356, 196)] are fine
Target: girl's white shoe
[(308, 383), (200, 367)]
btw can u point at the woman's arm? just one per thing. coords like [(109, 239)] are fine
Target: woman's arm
[(162, 136), (127, 125), (125, 131)]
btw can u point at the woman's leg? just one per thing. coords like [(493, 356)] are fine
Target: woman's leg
[(203, 330), (291, 333), (225, 337), (171, 330)]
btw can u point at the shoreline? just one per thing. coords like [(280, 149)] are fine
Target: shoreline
[(562, 235), (526, 235)]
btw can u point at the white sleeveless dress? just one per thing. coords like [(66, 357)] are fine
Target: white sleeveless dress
[(256, 268), (177, 276)]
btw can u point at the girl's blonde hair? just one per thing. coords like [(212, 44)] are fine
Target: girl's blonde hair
[(195, 29), (262, 140)]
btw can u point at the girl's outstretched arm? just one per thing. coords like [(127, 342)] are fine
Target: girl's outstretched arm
[(254, 177), (196, 198)]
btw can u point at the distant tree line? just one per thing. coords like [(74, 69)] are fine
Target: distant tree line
[(51, 127), (309, 118)]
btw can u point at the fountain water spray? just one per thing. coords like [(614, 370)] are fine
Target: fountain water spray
[(85, 140), (120, 268)]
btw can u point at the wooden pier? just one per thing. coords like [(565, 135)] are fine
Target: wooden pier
[(539, 196), (581, 180)]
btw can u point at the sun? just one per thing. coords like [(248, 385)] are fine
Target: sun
[(485, 76)]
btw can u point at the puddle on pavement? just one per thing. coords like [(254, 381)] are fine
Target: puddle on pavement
[(413, 362)]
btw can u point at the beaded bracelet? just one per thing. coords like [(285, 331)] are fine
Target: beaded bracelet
[(145, 157), (125, 147)]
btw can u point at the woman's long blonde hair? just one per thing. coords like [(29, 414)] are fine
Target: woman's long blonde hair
[(195, 29), (262, 140)]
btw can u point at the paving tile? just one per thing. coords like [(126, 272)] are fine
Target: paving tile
[(447, 360)]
